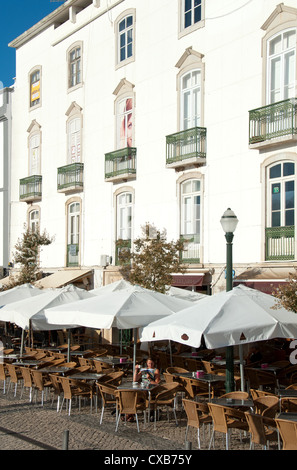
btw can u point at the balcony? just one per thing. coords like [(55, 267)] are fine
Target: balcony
[(186, 148), (273, 124), (71, 178), (191, 253), (280, 243), (120, 165), (31, 188)]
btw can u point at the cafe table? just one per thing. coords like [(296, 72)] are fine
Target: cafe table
[(233, 402), (55, 370), (27, 363), (288, 416), (113, 361), (86, 376)]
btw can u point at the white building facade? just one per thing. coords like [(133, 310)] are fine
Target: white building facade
[(161, 111), (5, 160)]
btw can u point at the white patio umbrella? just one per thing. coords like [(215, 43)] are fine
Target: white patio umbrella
[(133, 307), (242, 315), (18, 293), (30, 312)]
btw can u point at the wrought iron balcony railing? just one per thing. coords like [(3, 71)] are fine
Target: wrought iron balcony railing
[(120, 164), (191, 253), (71, 177), (280, 243), (186, 147), (277, 120), (31, 188)]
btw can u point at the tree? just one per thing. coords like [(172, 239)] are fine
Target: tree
[(153, 260), (27, 255), (286, 294)]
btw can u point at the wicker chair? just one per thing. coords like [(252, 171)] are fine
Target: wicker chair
[(197, 416), (288, 433), (224, 419), (129, 403), (266, 406), (165, 395), (75, 389), (41, 383), (4, 375), (15, 376), (109, 396), (262, 430)]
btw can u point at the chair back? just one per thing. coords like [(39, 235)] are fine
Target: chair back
[(37, 379), (66, 385), (288, 432), (176, 370), (2, 371), (108, 393), (238, 395), (256, 428), (12, 370), (192, 412), (56, 383), (115, 378), (266, 406), (127, 400), (26, 374), (218, 417), (289, 405), (260, 393)]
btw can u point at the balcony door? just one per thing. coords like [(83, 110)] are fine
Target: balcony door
[(73, 234), (281, 66), (191, 100)]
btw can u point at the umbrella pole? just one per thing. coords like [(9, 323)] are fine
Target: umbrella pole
[(134, 349), (68, 349), (22, 342), (241, 367)]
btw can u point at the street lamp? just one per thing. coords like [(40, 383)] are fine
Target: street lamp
[(229, 223)]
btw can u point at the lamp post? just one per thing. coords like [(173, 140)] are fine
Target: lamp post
[(229, 223)]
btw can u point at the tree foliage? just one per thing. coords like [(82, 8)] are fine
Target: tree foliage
[(286, 295), (27, 255), (153, 260)]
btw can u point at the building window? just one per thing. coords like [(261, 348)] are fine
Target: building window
[(125, 37), (74, 57), (34, 155), (281, 54), (34, 220), (125, 123), (35, 88), (281, 194), (191, 15), (191, 219), (191, 100), (280, 215), (73, 236), (74, 140), (124, 216)]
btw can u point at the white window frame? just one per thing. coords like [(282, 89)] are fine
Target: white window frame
[(34, 219), (281, 181), (35, 87), (192, 217), (194, 120), (74, 140), (183, 29), (128, 30), (281, 57), (77, 63), (124, 205)]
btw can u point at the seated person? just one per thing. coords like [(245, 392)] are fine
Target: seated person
[(149, 375), (254, 355)]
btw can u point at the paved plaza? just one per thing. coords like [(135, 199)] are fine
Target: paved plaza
[(30, 426)]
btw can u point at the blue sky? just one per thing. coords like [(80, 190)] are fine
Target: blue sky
[(16, 16)]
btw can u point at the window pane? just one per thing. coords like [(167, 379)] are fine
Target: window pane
[(129, 21), (289, 169), (275, 45), (275, 219), (289, 194), (276, 192), (188, 21), (290, 218), (122, 25), (275, 171), (289, 39)]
